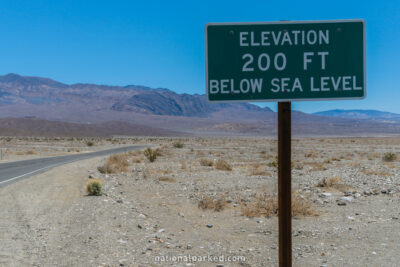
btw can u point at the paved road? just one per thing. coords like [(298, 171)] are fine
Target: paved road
[(12, 171)]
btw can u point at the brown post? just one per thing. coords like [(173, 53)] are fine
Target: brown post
[(284, 183)]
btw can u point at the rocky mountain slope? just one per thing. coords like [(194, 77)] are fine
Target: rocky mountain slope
[(90, 109), (36, 91)]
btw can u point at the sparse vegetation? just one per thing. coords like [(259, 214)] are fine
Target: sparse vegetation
[(150, 154), (262, 205), (265, 205), (318, 166), (223, 165), (311, 154), (94, 187), (373, 155), (297, 165), (273, 163), (183, 188), (183, 165), (259, 170), (389, 157), (159, 152), (334, 183), (330, 182), (178, 144), (89, 143), (146, 174), (216, 203), (206, 162), (167, 179), (136, 160), (375, 172), (115, 164)]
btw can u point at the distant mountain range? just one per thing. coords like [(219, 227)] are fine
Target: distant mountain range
[(34, 91), (41, 106), (361, 114)]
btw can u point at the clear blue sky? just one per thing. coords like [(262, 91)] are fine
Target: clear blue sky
[(161, 43)]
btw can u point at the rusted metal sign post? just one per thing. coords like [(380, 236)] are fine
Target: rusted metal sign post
[(283, 62)]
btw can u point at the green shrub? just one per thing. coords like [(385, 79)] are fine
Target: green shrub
[(178, 144), (389, 156), (273, 164), (89, 143), (94, 188), (150, 154)]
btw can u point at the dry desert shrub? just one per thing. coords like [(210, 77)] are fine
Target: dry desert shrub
[(355, 164), (222, 165), (265, 156), (216, 203), (136, 160), (373, 155), (262, 205), (163, 170), (330, 182), (160, 152), (133, 153), (115, 164), (316, 166), (297, 165), (265, 205), (375, 172), (334, 183), (183, 165), (200, 153), (30, 152), (206, 162), (311, 154), (335, 159), (147, 174), (302, 206), (259, 170), (348, 156), (167, 179)]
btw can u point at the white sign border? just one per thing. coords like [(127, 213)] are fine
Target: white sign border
[(287, 22)]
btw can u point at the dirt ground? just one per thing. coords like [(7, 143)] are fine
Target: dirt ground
[(204, 202), (23, 148)]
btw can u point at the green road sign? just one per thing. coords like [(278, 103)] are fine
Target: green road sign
[(285, 61)]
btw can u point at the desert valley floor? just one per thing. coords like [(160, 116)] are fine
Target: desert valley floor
[(201, 198)]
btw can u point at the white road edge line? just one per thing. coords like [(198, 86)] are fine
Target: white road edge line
[(38, 170)]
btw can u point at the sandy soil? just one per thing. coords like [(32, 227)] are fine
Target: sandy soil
[(151, 210)]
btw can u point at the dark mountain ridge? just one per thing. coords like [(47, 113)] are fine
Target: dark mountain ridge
[(56, 108), (16, 89)]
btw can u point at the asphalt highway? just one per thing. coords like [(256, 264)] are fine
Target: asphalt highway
[(12, 171)]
